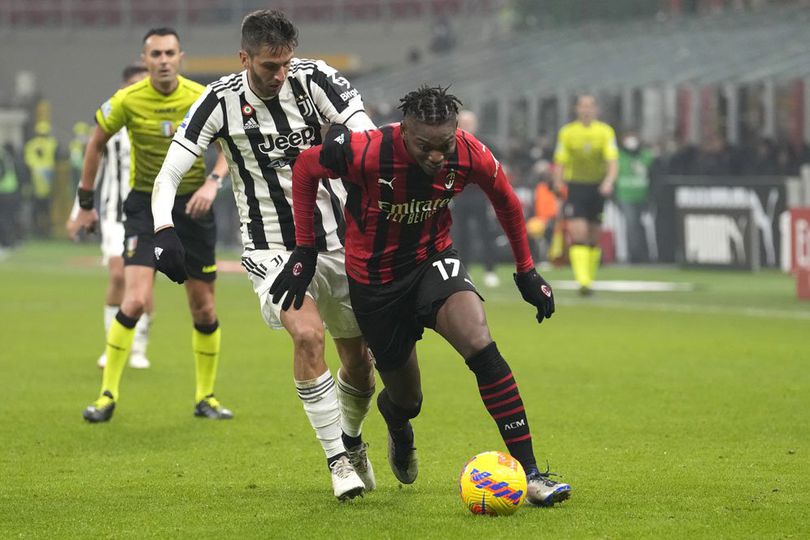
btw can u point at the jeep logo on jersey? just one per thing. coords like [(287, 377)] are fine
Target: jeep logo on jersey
[(305, 105), (296, 139)]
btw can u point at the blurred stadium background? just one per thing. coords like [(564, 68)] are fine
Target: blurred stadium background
[(674, 411), (717, 90)]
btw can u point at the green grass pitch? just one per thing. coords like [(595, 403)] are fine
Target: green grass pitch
[(672, 415)]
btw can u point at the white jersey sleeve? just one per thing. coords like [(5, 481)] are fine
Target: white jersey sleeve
[(334, 97)]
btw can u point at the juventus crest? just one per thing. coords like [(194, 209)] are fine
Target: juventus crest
[(305, 105)]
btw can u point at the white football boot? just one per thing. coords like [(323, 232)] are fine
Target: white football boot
[(345, 481), (138, 361)]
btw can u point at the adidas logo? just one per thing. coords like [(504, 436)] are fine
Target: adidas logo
[(158, 252), (251, 123), (341, 139)]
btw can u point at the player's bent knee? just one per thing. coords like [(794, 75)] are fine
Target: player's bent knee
[(478, 341), (403, 407), (308, 338), (487, 360), (133, 307)]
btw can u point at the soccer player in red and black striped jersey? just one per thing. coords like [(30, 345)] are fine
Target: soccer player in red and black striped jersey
[(404, 274)]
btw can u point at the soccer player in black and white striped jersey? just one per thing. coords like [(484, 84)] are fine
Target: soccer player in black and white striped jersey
[(113, 183), (263, 117)]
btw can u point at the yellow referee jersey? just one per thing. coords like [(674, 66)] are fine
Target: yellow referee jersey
[(151, 119), (584, 151)]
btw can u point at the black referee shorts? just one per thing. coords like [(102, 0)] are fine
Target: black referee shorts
[(199, 236), (584, 201), (393, 316)]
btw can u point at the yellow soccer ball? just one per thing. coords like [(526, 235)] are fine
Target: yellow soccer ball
[(493, 483)]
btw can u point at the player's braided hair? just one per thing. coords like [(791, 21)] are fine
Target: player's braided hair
[(430, 104), (268, 28)]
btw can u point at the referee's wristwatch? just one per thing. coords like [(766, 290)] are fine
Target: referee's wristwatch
[(216, 178)]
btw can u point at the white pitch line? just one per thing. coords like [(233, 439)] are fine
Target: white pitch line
[(619, 285), (691, 308), (664, 307)]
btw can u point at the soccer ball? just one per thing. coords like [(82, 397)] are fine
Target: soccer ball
[(492, 483)]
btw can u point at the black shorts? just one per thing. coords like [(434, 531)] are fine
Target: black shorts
[(394, 315), (199, 236), (584, 201)]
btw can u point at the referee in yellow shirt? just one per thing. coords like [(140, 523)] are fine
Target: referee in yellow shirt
[(151, 110), (587, 160)]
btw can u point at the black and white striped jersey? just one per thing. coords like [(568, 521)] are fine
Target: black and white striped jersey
[(112, 182), (262, 139)]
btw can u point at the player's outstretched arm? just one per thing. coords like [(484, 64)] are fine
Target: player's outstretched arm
[(292, 283), (170, 256), (533, 288)]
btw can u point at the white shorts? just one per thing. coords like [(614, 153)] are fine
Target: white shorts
[(112, 240), (329, 289)]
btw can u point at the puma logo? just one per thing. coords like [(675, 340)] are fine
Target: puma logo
[(389, 183)]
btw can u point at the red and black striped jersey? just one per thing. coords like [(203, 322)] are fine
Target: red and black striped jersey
[(397, 216)]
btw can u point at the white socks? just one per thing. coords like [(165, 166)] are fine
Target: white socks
[(109, 315), (354, 406), (321, 405), (141, 339)]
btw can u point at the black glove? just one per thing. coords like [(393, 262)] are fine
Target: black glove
[(170, 257), (295, 277), (336, 150), (536, 291)]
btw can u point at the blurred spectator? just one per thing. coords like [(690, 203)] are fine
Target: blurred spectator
[(714, 157), (414, 55), (682, 159), (40, 158), (76, 146), (542, 223), (9, 197), (443, 37), (474, 232), (632, 193)]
